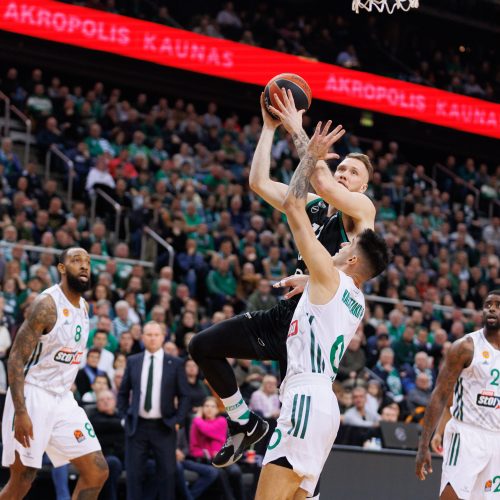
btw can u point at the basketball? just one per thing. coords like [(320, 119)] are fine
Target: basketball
[(299, 87)]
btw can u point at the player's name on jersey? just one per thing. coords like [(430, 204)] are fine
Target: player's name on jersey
[(355, 308)]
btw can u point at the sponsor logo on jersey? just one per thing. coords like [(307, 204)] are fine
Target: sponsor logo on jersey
[(354, 307), (488, 485), (487, 399), (66, 312), (486, 354), (68, 356), (79, 435), (294, 328)]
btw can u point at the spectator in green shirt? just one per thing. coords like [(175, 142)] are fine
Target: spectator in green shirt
[(97, 145), (137, 146), (404, 348), (221, 283)]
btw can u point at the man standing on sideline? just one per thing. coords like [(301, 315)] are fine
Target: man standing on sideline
[(151, 414), (471, 455), (41, 413)]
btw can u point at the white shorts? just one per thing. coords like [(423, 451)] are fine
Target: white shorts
[(307, 427), (471, 461), (60, 427)]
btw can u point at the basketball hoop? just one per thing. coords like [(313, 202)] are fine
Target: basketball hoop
[(384, 5)]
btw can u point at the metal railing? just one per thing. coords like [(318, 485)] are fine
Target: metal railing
[(55, 251), (6, 125), (458, 180), (69, 163), (27, 124), (415, 304), (114, 204), (148, 232)]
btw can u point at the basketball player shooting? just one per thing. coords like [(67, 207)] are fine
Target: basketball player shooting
[(324, 322), (41, 414), (471, 373)]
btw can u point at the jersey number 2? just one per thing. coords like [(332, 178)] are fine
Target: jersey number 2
[(496, 374)]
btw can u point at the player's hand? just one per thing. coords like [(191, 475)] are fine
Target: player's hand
[(437, 443), (23, 428), (289, 116), (269, 121), (297, 281), (423, 464), (322, 141)]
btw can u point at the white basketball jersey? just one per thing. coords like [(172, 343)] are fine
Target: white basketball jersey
[(476, 398), (54, 363), (319, 334)]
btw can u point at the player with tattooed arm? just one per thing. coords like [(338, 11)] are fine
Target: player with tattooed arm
[(471, 443), (41, 414)]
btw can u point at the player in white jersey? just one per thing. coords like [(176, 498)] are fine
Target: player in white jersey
[(325, 320), (471, 451), (41, 414)]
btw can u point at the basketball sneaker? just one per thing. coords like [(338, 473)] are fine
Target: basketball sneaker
[(240, 438)]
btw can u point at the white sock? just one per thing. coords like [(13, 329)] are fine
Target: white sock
[(236, 408)]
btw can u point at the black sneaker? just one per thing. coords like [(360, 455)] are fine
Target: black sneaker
[(240, 438)]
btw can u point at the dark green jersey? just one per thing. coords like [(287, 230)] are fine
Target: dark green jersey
[(329, 230)]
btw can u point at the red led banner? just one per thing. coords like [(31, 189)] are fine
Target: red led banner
[(152, 42)]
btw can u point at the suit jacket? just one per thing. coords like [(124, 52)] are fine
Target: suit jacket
[(173, 384)]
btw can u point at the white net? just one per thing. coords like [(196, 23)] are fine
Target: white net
[(384, 5)]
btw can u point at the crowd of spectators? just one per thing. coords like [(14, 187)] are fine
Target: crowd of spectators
[(372, 42), (184, 172)]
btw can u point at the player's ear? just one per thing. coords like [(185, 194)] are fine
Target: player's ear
[(363, 188), (352, 260), (61, 268)]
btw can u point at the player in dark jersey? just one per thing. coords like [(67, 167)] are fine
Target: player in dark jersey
[(261, 335)]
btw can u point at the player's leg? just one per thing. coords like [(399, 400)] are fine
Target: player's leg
[(94, 471), (236, 338), (300, 495), (448, 493), (232, 338), (20, 480), (278, 483)]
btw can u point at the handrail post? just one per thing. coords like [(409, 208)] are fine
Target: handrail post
[(27, 144), (71, 174), (93, 201), (117, 225), (6, 125), (48, 159)]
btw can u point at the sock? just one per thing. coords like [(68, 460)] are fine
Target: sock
[(236, 408)]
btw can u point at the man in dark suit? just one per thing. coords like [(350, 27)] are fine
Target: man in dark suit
[(157, 407)]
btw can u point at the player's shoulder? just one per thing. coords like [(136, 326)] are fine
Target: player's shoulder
[(462, 351), (315, 205), (42, 314)]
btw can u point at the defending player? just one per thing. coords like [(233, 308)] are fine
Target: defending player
[(41, 414), (471, 454), (324, 322), (262, 334)]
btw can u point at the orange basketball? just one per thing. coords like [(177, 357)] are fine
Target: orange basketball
[(300, 90)]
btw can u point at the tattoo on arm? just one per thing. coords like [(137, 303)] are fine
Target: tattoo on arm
[(458, 358), (299, 185), (301, 141), (89, 493), (42, 318)]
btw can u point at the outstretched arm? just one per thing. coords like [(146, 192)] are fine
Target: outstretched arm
[(459, 357), (356, 205), (260, 181), (316, 257)]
